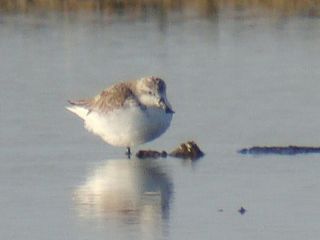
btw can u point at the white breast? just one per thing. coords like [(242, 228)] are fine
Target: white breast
[(127, 127)]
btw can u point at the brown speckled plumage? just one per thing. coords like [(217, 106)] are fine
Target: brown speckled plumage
[(113, 97), (117, 96), (158, 83)]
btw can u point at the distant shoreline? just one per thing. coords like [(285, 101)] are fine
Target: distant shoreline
[(140, 7)]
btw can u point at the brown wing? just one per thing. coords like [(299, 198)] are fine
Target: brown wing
[(114, 97)]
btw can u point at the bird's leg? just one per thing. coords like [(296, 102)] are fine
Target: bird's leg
[(128, 153)]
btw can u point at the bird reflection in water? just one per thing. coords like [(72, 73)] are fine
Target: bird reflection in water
[(133, 191)]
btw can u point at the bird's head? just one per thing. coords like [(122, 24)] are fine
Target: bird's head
[(152, 92)]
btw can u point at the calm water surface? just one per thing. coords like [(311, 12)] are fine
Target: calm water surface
[(233, 82)]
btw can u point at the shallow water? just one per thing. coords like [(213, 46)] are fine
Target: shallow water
[(233, 83)]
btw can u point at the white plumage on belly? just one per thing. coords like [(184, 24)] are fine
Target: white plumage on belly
[(125, 127)]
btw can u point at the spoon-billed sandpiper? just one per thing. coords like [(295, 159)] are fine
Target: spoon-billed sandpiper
[(128, 113)]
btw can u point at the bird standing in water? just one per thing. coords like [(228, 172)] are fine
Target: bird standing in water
[(128, 113)]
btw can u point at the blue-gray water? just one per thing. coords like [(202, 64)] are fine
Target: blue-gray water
[(233, 82)]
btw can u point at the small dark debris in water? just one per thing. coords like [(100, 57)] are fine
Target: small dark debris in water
[(220, 210), (286, 150), (189, 150), (151, 154), (242, 210)]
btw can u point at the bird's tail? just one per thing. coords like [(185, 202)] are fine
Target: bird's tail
[(79, 107)]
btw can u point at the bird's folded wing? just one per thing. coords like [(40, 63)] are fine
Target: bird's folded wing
[(112, 98)]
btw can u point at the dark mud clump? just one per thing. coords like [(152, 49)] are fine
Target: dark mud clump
[(286, 150), (188, 150), (151, 154), (242, 210)]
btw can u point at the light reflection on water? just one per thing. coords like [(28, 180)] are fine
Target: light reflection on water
[(129, 191)]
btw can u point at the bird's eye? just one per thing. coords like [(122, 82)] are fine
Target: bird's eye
[(150, 93)]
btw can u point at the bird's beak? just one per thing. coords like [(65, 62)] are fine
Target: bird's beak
[(163, 104)]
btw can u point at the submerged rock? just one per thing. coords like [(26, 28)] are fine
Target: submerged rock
[(242, 210), (286, 150), (188, 150), (151, 154)]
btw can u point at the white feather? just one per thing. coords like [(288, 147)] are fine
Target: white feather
[(80, 111), (125, 127)]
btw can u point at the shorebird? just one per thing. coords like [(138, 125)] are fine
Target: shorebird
[(128, 113)]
